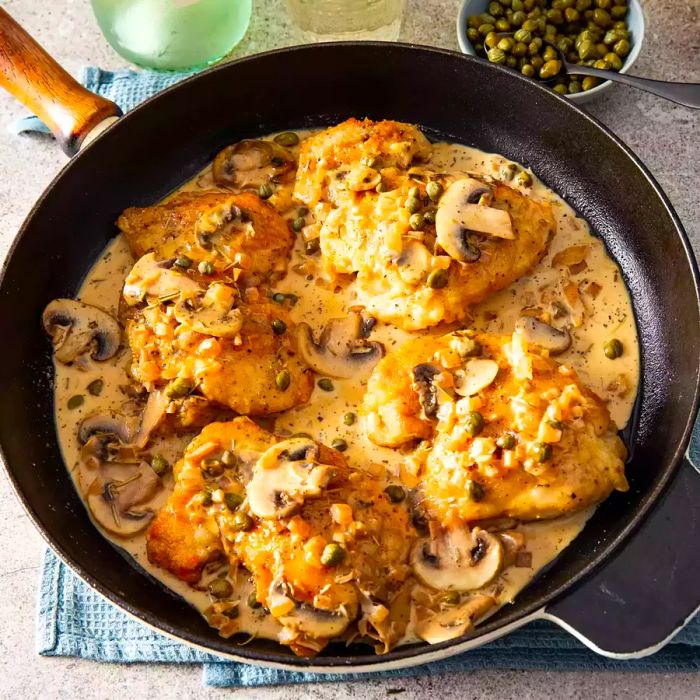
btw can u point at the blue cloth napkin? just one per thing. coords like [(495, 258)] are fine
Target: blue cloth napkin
[(73, 620)]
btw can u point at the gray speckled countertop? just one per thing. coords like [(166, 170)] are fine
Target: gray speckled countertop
[(665, 136)]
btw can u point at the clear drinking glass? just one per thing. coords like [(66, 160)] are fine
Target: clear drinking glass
[(331, 20), (173, 34)]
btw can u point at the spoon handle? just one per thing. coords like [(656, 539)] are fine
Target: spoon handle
[(687, 94)]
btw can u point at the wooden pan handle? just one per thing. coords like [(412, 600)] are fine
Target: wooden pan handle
[(39, 83)]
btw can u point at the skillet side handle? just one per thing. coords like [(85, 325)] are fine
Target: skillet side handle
[(638, 601), (39, 83)]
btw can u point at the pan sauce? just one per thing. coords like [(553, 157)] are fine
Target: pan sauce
[(608, 313)]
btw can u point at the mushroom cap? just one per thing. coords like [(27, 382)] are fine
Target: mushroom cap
[(542, 334), (251, 163), (106, 424), (341, 351), (75, 327), (453, 622), (476, 375), (459, 559), (150, 277)]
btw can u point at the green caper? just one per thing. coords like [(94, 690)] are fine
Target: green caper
[(495, 55), (492, 40), (416, 221), (212, 467), (349, 418), (253, 601), (517, 5), (589, 83), (506, 441), (283, 379), (613, 349), (229, 458), (571, 14), (528, 70), (602, 17), (298, 223), (95, 387), (622, 48), (518, 18), (429, 216), (496, 9), (574, 87), (279, 298), (523, 35), (183, 261), (333, 554), (233, 500), (395, 493), (220, 588), (549, 54), (265, 191), (339, 444), (537, 62), (287, 138), (302, 211), (178, 388), (586, 49), (326, 384), (511, 61), (451, 598), (613, 60), (313, 245), (438, 279), (550, 69), (278, 326), (542, 451), (75, 401), (205, 268), (560, 89), (206, 497), (241, 522), (413, 204), (434, 190), (601, 64), (502, 24), (519, 50), (473, 423), (475, 490), (414, 193), (159, 465), (505, 44), (231, 612), (485, 28), (524, 179)]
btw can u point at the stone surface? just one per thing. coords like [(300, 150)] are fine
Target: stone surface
[(664, 135)]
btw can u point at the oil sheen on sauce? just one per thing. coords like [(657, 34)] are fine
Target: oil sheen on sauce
[(607, 314)]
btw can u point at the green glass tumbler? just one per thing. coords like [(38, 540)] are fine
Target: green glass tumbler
[(173, 34)]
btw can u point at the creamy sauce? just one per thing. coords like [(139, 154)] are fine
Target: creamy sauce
[(607, 313)]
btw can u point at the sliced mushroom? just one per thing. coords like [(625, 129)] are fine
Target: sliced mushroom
[(341, 351), (76, 327), (476, 375), (250, 164), (542, 334), (423, 376), (362, 178), (213, 315), (153, 414), (123, 498), (112, 424), (286, 475), (461, 211), (414, 263), (154, 279), (453, 622), (458, 559)]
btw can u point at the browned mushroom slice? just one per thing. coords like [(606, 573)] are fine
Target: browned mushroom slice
[(249, 164), (543, 335), (452, 622), (150, 278)]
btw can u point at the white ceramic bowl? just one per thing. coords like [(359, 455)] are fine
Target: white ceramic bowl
[(635, 22)]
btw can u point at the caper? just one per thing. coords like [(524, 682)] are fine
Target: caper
[(530, 25), (485, 28), (505, 44), (475, 490), (75, 401), (524, 179), (602, 17), (601, 64), (253, 601), (496, 9), (326, 384), (395, 493), (537, 62), (438, 279), (429, 216), (178, 388), (413, 204), (550, 69), (613, 60), (333, 554), (95, 387), (434, 190), (517, 5), (279, 298), (589, 83), (560, 89), (519, 50), (229, 458), (298, 223), (220, 588), (574, 87), (571, 14), (206, 497), (159, 465), (283, 379), (506, 441), (184, 262), (528, 70), (622, 48), (339, 444), (492, 40), (416, 221), (511, 61), (287, 138), (473, 423), (523, 35), (495, 55), (619, 11), (518, 18), (613, 349), (349, 418), (205, 268), (549, 54), (278, 326), (451, 598), (265, 191), (211, 466), (313, 245), (241, 522), (586, 49), (233, 500), (542, 451)]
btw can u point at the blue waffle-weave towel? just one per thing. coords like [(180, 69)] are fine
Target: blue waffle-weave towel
[(75, 621)]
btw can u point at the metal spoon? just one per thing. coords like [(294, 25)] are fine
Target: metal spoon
[(687, 94)]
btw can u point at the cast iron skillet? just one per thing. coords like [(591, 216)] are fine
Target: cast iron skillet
[(623, 593)]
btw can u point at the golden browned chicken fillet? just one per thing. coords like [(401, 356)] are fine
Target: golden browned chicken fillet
[(424, 245), (513, 433), (322, 542), (229, 231)]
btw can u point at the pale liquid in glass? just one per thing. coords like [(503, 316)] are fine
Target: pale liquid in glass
[(329, 20), (172, 34)]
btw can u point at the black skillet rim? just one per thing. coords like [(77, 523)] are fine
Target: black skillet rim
[(402, 656)]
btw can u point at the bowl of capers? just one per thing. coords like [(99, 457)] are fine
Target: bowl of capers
[(531, 36)]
